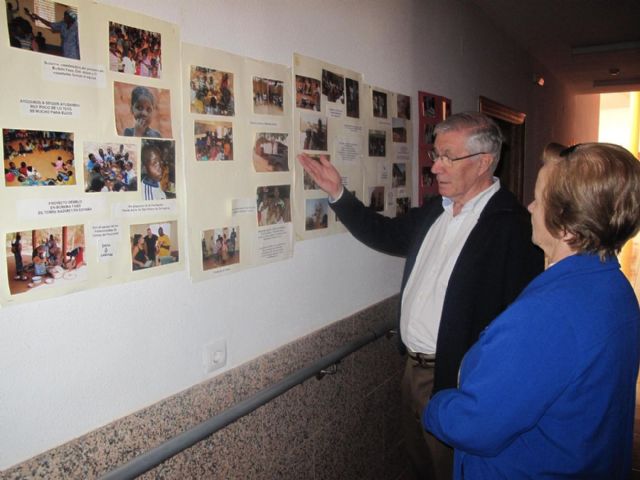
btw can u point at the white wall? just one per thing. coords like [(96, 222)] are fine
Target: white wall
[(71, 364)]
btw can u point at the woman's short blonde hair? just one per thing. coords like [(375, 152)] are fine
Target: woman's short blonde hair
[(593, 194)]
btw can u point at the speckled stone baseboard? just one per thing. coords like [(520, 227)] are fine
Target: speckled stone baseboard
[(344, 426)]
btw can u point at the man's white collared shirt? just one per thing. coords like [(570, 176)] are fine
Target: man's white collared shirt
[(426, 287)]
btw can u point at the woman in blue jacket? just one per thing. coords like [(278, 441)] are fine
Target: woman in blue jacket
[(548, 391)]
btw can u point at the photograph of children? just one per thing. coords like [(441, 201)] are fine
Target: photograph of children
[(376, 199), (399, 132), (429, 106), (399, 175), (212, 92), (271, 152), (316, 213), (49, 256), (158, 175), (273, 204), (333, 86), (353, 98), (214, 141), (38, 158), (268, 96), (307, 93), (377, 143), (309, 184), (313, 132), (379, 104), (153, 244), (429, 136), (220, 247), (142, 111), (402, 205), (110, 167), (45, 27), (404, 106), (134, 51)]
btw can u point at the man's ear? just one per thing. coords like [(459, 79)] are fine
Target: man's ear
[(484, 163)]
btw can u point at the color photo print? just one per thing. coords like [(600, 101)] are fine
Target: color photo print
[(45, 257), (220, 247), (34, 158)]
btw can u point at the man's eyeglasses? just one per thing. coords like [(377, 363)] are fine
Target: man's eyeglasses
[(446, 161)]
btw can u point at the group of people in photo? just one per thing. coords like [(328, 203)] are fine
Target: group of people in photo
[(333, 86), (273, 205), (107, 170), (308, 93), (220, 248), (25, 33), (151, 250), (47, 260), (216, 144), (268, 96), (134, 51), (212, 92), (36, 158)]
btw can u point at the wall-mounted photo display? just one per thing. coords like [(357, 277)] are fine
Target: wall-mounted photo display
[(110, 167), (274, 204), (313, 132), (212, 91), (271, 152), (35, 158), (333, 86), (308, 93), (220, 247), (353, 97), (153, 244), (268, 96), (214, 140), (142, 111), (316, 213), (379, 102), (158, 169), (135, 51), (45, 258), (44, 27)]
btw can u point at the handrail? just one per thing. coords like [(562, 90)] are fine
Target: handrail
[(154, 457)]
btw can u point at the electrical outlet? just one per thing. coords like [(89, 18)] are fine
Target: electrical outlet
[(214, 355)]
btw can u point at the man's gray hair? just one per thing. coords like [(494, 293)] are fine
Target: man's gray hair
[(484, 134)]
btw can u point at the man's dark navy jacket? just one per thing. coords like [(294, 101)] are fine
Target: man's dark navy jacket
[(497, 261)]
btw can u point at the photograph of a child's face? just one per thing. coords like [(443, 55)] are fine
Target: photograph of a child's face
[(45, 257), (154, 244), (220, 247), (142, 111), (379, 104), (158, 169), (134, 51), (35, 158), (212, 92), (316, 213), (333, 86), (110, 167), (271, 152), (353, 98), (214, 141), (273, 204), (44, 27), (308, 93), (268, 96)]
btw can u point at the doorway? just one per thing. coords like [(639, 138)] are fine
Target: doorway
[(510, 170)]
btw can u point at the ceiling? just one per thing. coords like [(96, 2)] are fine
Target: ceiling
[(579, 41)]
